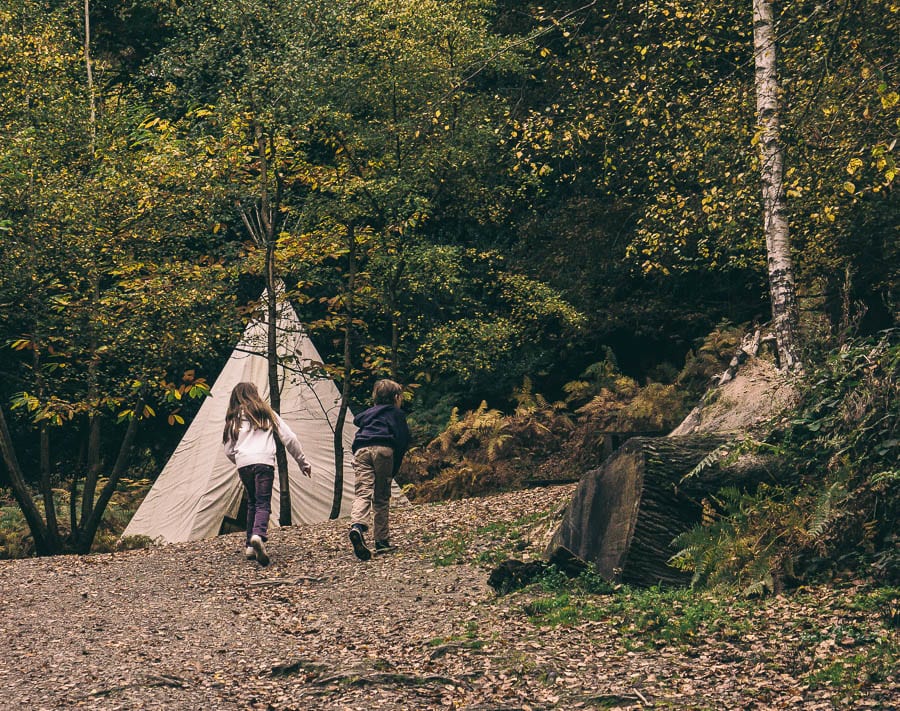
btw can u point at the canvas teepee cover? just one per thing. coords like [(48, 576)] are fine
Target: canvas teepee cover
[(198, 487)]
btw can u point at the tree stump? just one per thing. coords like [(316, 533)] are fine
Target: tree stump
[(624, 514)]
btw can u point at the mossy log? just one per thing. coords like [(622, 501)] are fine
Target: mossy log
[(624, 514)]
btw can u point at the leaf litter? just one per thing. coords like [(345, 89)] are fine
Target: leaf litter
[(195, 625)]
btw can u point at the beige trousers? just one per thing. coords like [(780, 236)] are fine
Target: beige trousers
[(373, 467)]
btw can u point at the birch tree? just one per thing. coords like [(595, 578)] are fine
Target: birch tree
[(785, 316)]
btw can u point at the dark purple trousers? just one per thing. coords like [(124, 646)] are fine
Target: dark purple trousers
[(257, 480)]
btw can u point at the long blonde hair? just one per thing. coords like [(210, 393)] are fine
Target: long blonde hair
[(246, 403)]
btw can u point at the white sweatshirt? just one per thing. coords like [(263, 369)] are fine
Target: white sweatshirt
[(255, 446)]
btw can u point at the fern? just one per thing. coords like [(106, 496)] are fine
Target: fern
[(495, 446), (708, 461), (822, 513)]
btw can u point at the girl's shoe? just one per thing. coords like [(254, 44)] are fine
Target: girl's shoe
[(250, 553), (260, 547), (383, 546)]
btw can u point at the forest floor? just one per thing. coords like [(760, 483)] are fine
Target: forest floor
[(196, 626)]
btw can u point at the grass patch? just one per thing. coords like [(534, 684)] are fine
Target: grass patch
[(851, 673), (563, 609), (452, 551), (489, 544), (840, 644), (885, 601), (645, 618)]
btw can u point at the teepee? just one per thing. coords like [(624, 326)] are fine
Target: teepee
[(198, 487)]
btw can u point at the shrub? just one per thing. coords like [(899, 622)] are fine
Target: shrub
[(485, 450), (841, 514), (15, 537)]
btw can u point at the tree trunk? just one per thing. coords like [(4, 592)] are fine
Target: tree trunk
[(93, 463), (345, 386), (21, 494), (624, 515), (73, 487), (53, 538), (47, 491), (89, 528), (265, 233), (284, 482), (393, 300), (785, 314), (93, 457)]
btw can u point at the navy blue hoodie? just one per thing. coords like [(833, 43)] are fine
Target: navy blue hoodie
[(383, 425)]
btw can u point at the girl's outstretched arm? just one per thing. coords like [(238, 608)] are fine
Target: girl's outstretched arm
[(292, 445)]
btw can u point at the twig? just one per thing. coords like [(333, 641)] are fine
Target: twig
[(641, 697), (273, 582), (474, 645), (153, 680), (353, 678)]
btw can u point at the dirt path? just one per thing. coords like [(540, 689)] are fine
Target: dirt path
[(193, 626)]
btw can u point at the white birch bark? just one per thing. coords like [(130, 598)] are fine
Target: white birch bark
[(90, 74), (785, 314)]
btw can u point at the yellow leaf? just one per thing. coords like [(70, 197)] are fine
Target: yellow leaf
[(850, 187), (854, 165)]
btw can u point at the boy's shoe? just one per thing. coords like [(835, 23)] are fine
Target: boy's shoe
[(250, 553), (383, 546), (359, 543), (260, 547)]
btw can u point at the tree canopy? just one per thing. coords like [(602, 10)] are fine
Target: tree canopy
[(458, 193)]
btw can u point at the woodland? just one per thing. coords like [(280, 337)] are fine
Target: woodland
[(554, 223)]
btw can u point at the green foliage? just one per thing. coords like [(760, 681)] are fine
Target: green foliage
[(15, 538), (483, 325), (709, 357), (843, 442), (614, 402), (657, 112), (873, 663), (650, 617), (488, 544), (518, 186)]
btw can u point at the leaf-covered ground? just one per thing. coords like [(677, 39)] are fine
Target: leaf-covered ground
[(192, 626)]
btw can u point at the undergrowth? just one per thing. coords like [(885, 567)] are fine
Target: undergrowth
[(16, 540), (839, 514), (488, 544), (486, 450), (841, 642)]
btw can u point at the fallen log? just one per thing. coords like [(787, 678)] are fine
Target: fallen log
[(624, 514)]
